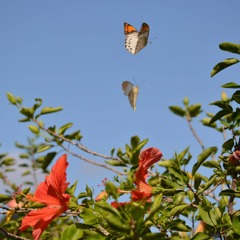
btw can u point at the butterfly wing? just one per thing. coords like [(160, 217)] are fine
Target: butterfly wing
[(142, 37), (131, 40), (132, 92), (132, 97), (127, 87), (135, 41)]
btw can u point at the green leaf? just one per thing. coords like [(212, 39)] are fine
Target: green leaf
[(5, 198), (135, 141), (24, 120), (223, 104), (222, 65), (223, 203), (236, 96), (38, 103), (166, 163), (181, 155), (3, 155), (230, 192), (82, 195), (48, 110), (89, 217), (208, 184), (63, 128), (48, 159), (178, 225), (11, 98), (72, 188), (142, 144), (206, 122), (202, 157), (186, 101), (117, 223), (89, 191), (43, 147), (95, 236), (230, 85), (75, 135), (219, 115), (207, 216), (178, 198), (33, 129), (28, 112), (228, 145), (197, 180), (108, 208), (154, 236), (84, 226), (211, 164), (201, 236), (195, 110), (71, 232), (111, 189), (177, 110), (8, 161), (230, 47), (236, 224), (178, 173), (115, 163), (178, 209), (155, 207), (25, 173)]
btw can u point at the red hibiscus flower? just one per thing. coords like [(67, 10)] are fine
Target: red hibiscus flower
[(144, 191), (52, 193), (146, 159), (149, 156)]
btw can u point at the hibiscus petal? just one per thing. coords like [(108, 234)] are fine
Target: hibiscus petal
[(50, 192), (138, 195), (149, 156), (40, 219), (58, 175), (118, 204)]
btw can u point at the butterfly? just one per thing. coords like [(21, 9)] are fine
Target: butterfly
[(132, 92), (135, 41)]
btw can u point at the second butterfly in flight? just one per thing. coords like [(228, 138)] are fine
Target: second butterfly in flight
[(132, 92)]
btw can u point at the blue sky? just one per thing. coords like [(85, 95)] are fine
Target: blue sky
[(71, 54)]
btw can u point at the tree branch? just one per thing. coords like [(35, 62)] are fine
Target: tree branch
[(8, 234), (194, 132)]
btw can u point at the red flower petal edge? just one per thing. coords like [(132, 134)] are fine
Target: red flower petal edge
[(52, 193)]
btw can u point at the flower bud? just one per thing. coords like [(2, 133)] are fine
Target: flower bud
[(234, 158)]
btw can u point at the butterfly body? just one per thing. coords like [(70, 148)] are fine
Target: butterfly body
[(132, 92), (136, 41)]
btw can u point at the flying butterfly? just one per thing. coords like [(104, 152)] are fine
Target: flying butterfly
[(136, 41), (132, 92)]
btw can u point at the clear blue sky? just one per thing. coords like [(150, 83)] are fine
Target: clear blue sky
[(71, 54)]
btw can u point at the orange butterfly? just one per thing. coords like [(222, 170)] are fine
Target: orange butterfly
[(135, 41), (132, 92)]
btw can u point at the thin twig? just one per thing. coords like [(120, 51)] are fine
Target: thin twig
[(194, 132), (206, 193), (83, 148), (92, 162), (6, 181), (231, 198), (8, 234)]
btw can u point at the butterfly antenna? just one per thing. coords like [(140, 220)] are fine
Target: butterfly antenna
[(150, 41), (135, 81), (142, 81)]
